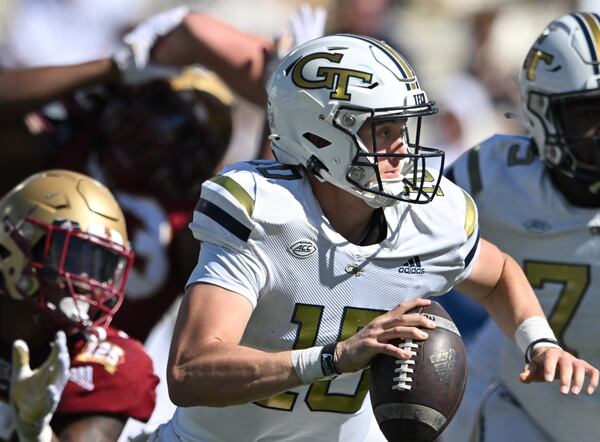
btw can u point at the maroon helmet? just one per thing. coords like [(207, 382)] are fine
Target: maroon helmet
[(166, 137)]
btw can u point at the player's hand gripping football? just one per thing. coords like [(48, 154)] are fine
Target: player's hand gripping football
[(549, 363), (355, 353), (35, 394)]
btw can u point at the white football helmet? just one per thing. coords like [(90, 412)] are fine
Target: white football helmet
[(324, 91), (560, 88)]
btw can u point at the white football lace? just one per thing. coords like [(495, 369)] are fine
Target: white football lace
[(403, 381)]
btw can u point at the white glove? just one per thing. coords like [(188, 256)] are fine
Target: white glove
[(133, 59), (35, 394), (142, 38), (304, 25)]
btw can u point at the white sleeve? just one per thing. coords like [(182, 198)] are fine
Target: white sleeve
[(230, 269)]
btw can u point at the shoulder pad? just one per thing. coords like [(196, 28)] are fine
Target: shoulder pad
[(224, 211), (227, 212), (492, 156)]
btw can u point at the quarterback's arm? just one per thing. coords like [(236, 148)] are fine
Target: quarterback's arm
[(25, 90), (237, 57), (500, 285), (207, 366)]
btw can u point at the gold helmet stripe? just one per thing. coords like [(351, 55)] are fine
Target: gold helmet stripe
[(592, 23), (591, 30), (400, 62), (403, 62), (408, 72)]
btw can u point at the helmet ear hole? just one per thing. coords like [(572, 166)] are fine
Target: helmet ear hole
[(315, 166), (316, 140), (553, 154)]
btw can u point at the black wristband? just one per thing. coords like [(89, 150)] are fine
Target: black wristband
[(538, 341), (326, 357)]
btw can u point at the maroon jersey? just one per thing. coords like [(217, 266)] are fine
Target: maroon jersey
[(165, 255), (110, 373)]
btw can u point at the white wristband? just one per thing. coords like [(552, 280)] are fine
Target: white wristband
[(307, 363), (533, 329)]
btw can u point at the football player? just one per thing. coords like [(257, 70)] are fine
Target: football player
[(310, 265), (153, 141), (153, 145), (538, 198), (64, 262)]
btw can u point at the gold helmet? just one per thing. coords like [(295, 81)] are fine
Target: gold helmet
[(64, 248)]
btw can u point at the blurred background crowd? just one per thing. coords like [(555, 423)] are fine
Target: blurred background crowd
[(467, 54)]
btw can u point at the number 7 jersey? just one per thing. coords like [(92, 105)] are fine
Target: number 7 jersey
[(558, 247), (265, 237)]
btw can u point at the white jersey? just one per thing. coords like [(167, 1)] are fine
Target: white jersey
[(558, 247), (265, 237)]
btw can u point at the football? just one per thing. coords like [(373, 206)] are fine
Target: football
[(414, 400)]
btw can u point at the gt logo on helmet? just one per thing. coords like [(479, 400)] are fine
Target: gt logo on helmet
[(532, 60), (334, 79)]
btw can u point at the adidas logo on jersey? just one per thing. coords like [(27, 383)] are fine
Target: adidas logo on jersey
[(412, 266)]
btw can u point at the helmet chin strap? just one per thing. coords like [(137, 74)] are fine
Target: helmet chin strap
[(373, 200), (377, 201), (392, 187)]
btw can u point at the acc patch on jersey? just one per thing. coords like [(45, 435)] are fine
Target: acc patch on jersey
[(303, 248)]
